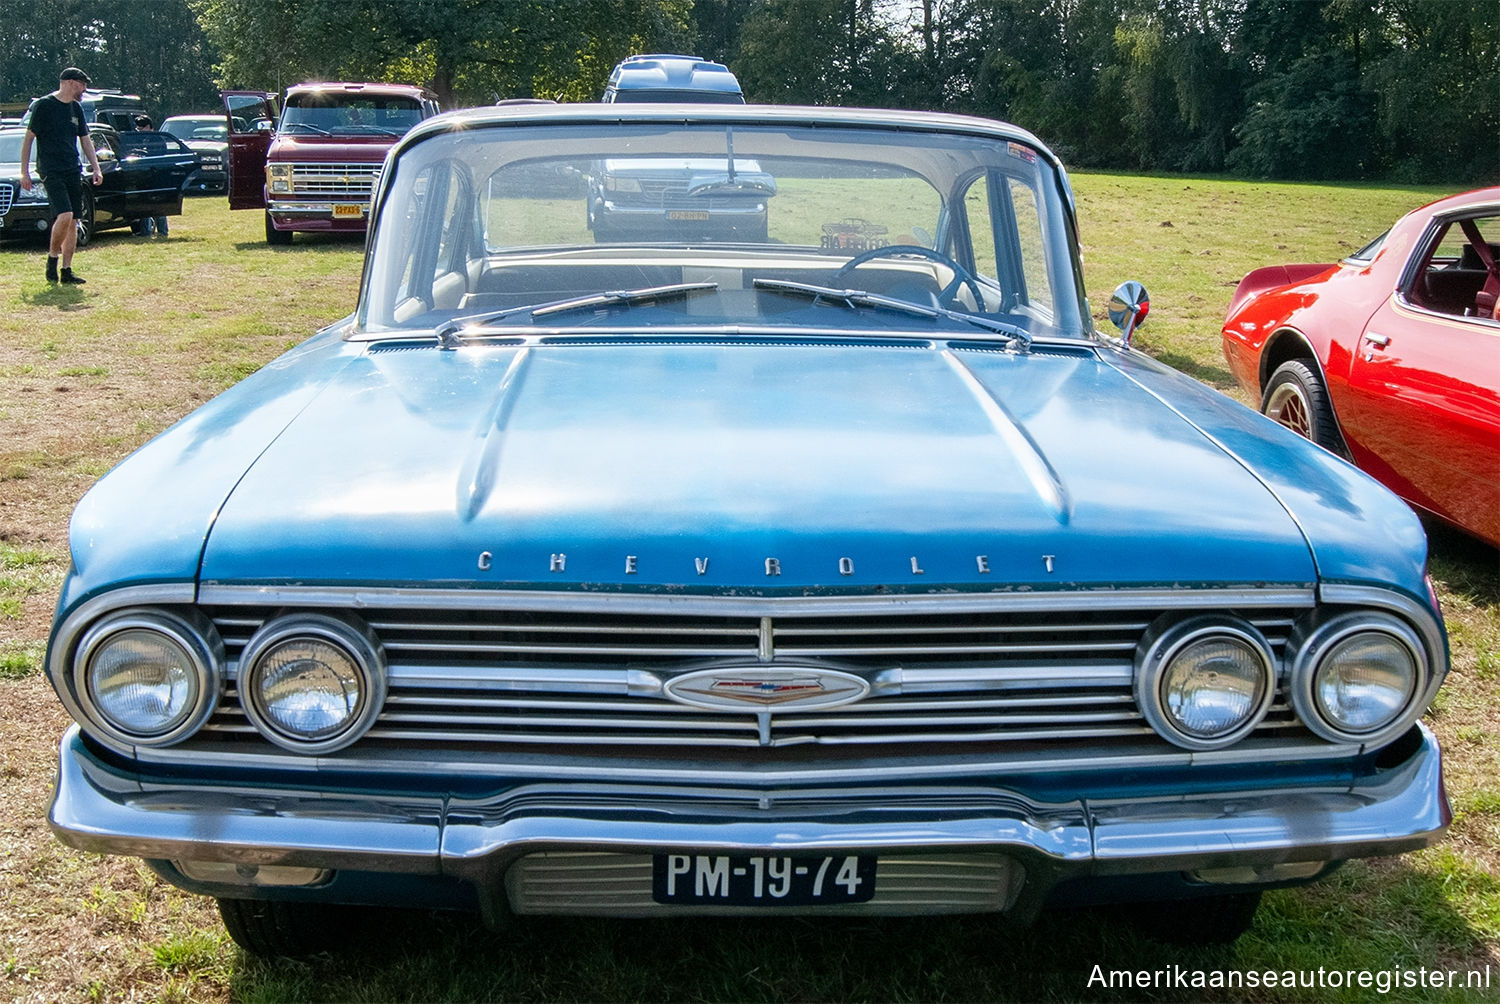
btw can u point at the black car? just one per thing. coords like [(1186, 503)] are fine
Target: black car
[(208, 137), (143, 177)]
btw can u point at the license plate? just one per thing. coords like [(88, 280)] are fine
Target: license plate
[(347, 212), (694, 215), (762, 880)]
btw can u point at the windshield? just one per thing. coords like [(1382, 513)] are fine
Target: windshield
[(333, 113), (771, 219), (207, 127), (10, 147)]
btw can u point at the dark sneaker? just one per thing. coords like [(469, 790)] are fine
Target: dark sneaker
[(69, 279)]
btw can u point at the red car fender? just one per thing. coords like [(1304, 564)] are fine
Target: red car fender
[(1263, 279)]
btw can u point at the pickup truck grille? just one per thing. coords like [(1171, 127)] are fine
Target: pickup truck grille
[(524, 679), (344, 181), (7, 195)]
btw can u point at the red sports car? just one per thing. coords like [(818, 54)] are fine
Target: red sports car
[(1391, 357)]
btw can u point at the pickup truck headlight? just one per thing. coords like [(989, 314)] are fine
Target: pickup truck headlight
[(279, 178), (312, 683), (149, 677), (1357, 676), (1206, 682)]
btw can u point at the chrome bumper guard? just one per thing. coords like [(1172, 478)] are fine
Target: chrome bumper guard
[(98, 809)]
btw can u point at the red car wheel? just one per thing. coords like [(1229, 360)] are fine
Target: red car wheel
[(1296, 398)]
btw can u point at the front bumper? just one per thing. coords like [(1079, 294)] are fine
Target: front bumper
[(320, 216), (496, 846)]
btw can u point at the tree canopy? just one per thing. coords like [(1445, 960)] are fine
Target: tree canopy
[(1402, 89)]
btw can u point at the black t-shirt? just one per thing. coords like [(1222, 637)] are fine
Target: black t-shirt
[(57, 125)]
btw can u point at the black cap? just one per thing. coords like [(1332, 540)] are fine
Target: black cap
[(74, 73)]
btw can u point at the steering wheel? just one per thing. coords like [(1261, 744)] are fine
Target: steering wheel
[(961, 275)]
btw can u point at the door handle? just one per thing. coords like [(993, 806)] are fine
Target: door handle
[(1379, 341)]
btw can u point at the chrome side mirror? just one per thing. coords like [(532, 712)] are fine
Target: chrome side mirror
[(1128, 307)]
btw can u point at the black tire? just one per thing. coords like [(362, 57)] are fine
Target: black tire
[(1208, 920), (274, 237), (273, 928), (84, 223), (1296, 398)]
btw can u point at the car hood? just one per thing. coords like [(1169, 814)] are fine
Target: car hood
[(206, 145), (747, 467)]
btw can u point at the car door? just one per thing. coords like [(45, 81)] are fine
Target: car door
[(109, 194), (155, 167), (1424, 393), (252, 122)]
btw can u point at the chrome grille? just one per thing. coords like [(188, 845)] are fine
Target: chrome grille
[(7, 195), (522, 678), (349, 181)]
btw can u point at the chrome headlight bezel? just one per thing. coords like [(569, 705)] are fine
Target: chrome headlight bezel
[(1156, 657), (349, 635), (1316, 642), (190, 632)]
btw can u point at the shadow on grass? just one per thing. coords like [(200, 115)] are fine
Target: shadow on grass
[(1216, 377), (1465, 564), (307, 243), (1370, 920), (55, 295)]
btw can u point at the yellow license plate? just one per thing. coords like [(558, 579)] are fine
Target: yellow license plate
[(697, 215), (347, 212)]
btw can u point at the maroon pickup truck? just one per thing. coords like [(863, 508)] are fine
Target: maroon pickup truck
[(314, 168)]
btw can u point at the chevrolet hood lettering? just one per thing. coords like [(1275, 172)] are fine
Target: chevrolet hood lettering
[(757, 688)]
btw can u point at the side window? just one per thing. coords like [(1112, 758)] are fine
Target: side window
[(434, 242), (981, 228), (1028, 214), (1454, 276)]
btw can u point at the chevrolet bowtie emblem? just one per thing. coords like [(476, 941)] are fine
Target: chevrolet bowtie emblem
[(794, 688)]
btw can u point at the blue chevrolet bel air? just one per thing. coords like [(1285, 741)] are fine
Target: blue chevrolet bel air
[(835, 567)]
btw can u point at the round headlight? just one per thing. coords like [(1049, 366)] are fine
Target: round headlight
[(312, 683), (1357, 678), (1206, 682), (150, 678)]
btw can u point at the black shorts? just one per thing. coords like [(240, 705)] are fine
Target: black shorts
[(64, 193)]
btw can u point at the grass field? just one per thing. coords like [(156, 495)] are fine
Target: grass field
[(88, 374)]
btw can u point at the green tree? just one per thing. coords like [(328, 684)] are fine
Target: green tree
[(468, 51), (152, 49)]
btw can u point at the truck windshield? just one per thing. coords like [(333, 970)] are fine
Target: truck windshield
[(338, 114)]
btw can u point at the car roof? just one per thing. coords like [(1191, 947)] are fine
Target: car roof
[(666, 71), (715, 114), (410, 90)]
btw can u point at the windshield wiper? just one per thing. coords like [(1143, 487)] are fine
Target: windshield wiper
[(857, 298), (451, 333)]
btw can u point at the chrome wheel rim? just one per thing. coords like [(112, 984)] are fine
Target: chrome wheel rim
[(1288, 406)]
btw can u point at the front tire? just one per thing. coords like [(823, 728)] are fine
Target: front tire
[(274, 928), (274, 237), (1207, 920), (1296, 398)]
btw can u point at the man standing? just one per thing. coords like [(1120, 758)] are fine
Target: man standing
[(58, 127)]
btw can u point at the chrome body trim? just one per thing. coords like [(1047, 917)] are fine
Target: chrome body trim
[(356, 598), (477, 840)]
